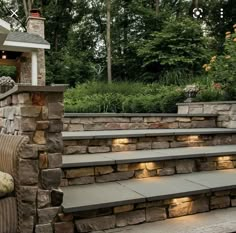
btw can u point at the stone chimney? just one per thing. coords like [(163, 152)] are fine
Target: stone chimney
[(35, 25)]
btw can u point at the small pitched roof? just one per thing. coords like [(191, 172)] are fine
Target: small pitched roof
[(20, 41)]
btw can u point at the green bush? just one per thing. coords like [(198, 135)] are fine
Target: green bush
[(122, 97)]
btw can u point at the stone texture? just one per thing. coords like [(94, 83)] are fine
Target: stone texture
[(130, 218), (28, 170), (115, 176), (144, 145), (56, 197), (75, 150), (103, 170), (79, 172), (185, 166), (160, 145), (55, 110), (30, 111), (54, 160), (64, 227), (155, 214), (43, 198), (123, 208), (95, 224), (166, 171), (43, 228), (82, 180), (30, 193), (47, 215), (98, 149), (54, 142), (219, 202), (51, 178), (39, 137), (29, 152), (225, 165), (124, 147)]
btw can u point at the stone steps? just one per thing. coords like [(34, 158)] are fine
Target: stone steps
[(129, 140), (106, 167), (125, 121), (118, 204)]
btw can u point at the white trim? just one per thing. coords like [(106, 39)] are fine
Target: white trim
[(4, 27), (26, 45), (34, 68)]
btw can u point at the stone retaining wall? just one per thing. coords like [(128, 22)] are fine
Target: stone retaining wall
[(36, 112), (91, 146), (226, 111), (120, 216), (101, 174), (86, 122)]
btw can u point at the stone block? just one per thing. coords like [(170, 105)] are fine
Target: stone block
[(29, 171), (43, 228), (199, 206), (209, 109), (28, 124), (219, 202), (118, 141), (47, 215), (233, 202), (136, 120), (38, 99), (55, 126), (155, 214), (124, 147), (95, 224), (51, 178), (54, 160), (82, 180), (178, 210), (183, 119), (30, 193), (39, 137), (115, 176), (75, 150), (102, 170), (130, 218), (55, 110), (55, 97), (144, 145), (98, 149), (30, 111), (29, 152), (79, 172), (43, 160), (225, 165), (154, 165), (160, 145), (24, 98), (166, 171), (42, 125), (222, 193), (65, 217), (123, 208), (27, 224), (54, 142), (56, 197), (184, 109), (28, 209), (207, 166), (195, 110), (64, 227), (185, 166), (43, 198), (145, 173), (76, 127)]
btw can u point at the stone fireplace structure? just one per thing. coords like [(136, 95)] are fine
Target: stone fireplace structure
[(25, 50)]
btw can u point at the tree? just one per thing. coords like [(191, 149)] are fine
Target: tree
[(109, 71)]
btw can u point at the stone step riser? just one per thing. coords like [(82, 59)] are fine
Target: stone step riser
[(131, 214), (117, 172), (92, 146), (124, 123)]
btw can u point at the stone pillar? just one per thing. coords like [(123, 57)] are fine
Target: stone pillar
[(37, 112), (35, 25)]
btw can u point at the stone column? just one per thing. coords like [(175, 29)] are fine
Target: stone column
[(35, 25), (37, 112)]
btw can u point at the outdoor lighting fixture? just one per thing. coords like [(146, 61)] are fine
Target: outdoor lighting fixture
[(4, 56)]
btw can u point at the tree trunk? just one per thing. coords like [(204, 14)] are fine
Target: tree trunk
[(109, 72), (157, 7)]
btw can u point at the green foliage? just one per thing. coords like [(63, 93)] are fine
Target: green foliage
[(179, 47), (222, 69), (8, 71), (122, 97)]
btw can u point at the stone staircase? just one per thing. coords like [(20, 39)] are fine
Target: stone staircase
[(127, 169)]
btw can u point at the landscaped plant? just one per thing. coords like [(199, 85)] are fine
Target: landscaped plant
[(222, 69)]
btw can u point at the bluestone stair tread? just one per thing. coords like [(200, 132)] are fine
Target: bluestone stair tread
[(94, 196), (86, 160), (142, 133)]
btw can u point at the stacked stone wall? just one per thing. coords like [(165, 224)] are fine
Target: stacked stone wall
[(139, 121), (37, 115), (226, 111)]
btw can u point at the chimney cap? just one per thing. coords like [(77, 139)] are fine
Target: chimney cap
[(35, 13)]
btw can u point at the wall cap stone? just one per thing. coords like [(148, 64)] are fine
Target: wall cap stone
[(28, 88), (206, 103)]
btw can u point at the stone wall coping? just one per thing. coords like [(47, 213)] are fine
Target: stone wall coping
[(206, 103), (28, 88), (86, 115)]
